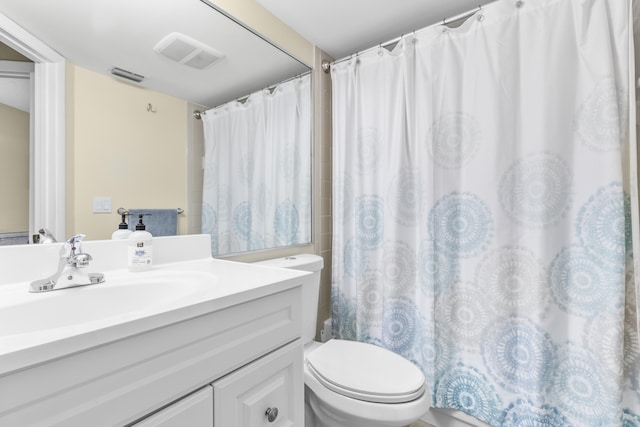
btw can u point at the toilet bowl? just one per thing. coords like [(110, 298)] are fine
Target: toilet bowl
[(349, 383)]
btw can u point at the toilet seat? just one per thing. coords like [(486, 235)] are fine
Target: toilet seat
[(366, 372)]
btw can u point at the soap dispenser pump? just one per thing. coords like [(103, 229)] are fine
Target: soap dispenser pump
[(123, 231), (140, 248)]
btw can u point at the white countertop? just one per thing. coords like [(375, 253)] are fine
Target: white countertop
[(228, 283)]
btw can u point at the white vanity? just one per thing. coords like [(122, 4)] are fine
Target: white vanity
[(195, 341)]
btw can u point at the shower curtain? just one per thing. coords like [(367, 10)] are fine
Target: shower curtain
[(257, 170), (484, 190)]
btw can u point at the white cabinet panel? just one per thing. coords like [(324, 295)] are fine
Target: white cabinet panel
[(122, 381), (195, 410), (252, 395)]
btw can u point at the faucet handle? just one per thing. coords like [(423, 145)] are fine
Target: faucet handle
[(72, 246), (76, 239), (72, 254), (75, 243)]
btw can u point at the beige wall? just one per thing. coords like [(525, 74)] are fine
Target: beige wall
[(118, 149), (263, 22), (323, 165), (14, 169)]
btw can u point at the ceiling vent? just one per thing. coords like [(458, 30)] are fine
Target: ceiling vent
[(126, 74), (185, 50)]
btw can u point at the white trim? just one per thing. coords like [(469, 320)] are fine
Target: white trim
[(16, 69), (47, 198)]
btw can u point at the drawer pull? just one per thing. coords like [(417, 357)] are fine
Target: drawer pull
[(272, 414)]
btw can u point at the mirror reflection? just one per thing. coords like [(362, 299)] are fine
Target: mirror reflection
[(15, 70), (138, 145)]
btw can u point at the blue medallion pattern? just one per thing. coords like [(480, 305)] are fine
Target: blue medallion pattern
[(464, 314), (437, 271), (404, 199), (242, 221), (401, 325), (210, 225), (370, 297), (355, 261), (580, 284), (579, 389), (536, 190), (369, 222), (436, 355), (466, 389), (518, 355), (524, 413), (460, 224), (398, 266), (344, 316), (514, 280), (603, 117), (604, 226), (455, 139), (286, 223), (603, 333)]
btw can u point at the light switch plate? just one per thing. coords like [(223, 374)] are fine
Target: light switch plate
[(102, 205)]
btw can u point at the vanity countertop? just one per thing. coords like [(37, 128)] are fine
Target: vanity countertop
[(127, 303)]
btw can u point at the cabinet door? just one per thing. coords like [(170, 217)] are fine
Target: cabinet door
[(268, 392), (195, 410)]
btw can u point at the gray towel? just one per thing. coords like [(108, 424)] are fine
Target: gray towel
[(159, 222)]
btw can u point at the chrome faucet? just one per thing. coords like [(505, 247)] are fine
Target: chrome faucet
[(70, 269), (45, 236)]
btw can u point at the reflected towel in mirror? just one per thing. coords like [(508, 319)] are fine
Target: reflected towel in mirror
[(159, 222)]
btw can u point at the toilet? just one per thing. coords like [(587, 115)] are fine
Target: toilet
[(349, 383)]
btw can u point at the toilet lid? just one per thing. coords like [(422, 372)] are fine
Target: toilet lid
[(366, 372)]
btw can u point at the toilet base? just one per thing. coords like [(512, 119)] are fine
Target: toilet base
[(316, 414)]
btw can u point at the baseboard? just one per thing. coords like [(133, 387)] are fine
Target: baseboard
[(440, 417)]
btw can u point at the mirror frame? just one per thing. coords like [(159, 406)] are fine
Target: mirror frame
[(47, 174)]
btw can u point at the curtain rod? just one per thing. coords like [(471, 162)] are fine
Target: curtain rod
[(326, 65), (197, 114)]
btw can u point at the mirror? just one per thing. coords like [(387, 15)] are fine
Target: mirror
[(106, 148), (15, 89)]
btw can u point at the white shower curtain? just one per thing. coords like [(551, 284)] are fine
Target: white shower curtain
[(482, 211), (257, 171)]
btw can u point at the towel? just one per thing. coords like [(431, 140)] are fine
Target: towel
[(159, 222)]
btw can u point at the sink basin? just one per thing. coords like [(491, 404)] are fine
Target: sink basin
[(123, 296)]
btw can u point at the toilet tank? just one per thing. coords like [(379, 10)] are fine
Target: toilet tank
[(310, 290)]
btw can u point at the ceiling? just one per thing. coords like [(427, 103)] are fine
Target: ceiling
[(341, 28), (99, 35)]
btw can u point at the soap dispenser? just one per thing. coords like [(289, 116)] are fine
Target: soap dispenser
[(123, 231), (140, 250)]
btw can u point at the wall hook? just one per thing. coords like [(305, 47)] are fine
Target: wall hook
[(150, 108)]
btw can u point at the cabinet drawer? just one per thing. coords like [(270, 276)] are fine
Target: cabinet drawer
[(195, 410), (272, 383)]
